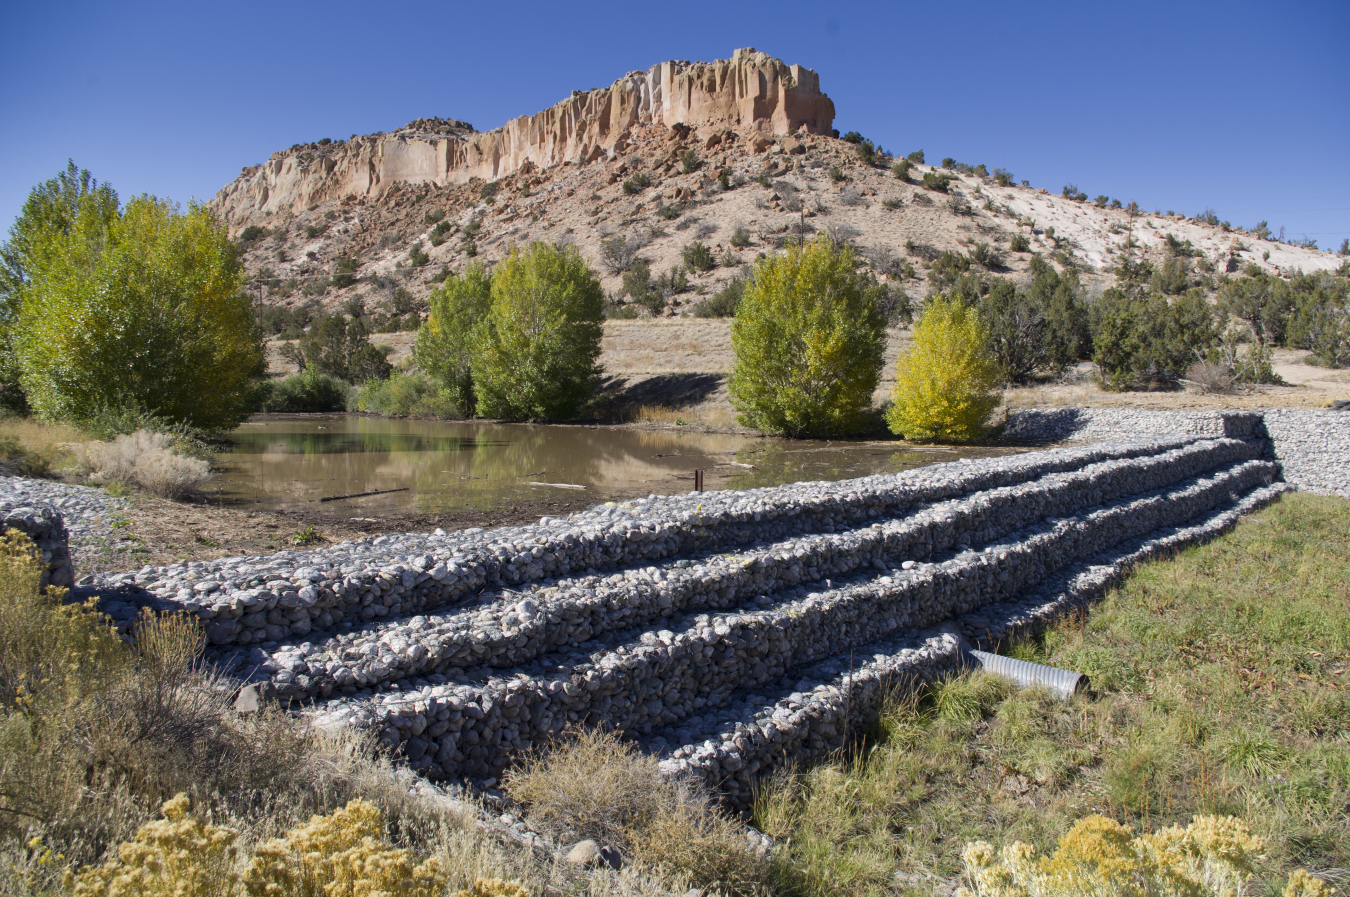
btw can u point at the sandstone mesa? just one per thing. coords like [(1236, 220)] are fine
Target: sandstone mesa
[(750, 92)]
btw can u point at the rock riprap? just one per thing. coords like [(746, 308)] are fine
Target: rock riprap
[(57, 517), (727, 632)]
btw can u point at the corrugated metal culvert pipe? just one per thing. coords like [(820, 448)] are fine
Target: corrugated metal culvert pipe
[(1064, 683)]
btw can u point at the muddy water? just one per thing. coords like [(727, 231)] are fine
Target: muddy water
[(380, 465)]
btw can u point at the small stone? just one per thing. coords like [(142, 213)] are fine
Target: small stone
[(248, 700)]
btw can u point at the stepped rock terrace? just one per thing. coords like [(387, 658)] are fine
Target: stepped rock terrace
[(729, 632)]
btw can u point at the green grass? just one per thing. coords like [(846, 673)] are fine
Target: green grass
[(1220, 688)]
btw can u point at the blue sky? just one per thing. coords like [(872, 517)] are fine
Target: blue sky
[(1241, 107)]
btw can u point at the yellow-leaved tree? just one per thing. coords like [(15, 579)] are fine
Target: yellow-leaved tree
[(946, 380), (809, 342), (142, 310)]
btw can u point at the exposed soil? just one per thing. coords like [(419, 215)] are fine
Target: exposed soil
[(157, 531)]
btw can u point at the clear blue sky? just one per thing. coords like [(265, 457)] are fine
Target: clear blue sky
[(1243, 107)]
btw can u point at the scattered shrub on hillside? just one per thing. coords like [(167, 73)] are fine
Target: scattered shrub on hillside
[(306, 392), (1003, 177), (836, 174), (740, 237), (724, 302), (946, 268), (690, 162), (344, 272), (1019, 243), (1071, 191), (447, 342), (416, 256), (440, 232), (698, 256), (250, 235), (900, 169), (636, 184), (637, 284), (933, 180), (536, 357), (915, 157), (893, 304), (489, 191), (867, 152), (315, 230), (1174, 277), (1101, 201), (945, 381), (673, 282), (618, 253), (143, 459), (140, 308), (986, 257), (808, 340), (286, 323)]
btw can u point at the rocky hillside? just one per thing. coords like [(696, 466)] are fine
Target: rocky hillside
[(739, 155)]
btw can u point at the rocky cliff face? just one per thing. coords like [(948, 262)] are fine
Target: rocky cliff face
[(751, 91)]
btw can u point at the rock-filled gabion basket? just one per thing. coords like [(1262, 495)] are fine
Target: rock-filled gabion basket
[(729, 633), (47, 528)]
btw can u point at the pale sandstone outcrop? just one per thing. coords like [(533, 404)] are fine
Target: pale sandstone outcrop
[(751, 91)]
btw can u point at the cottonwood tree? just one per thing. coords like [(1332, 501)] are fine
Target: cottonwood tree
[(809, 340)]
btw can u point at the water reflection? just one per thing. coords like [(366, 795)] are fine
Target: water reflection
[(293, 462)]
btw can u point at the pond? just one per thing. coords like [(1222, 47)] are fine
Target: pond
[(374, 464)]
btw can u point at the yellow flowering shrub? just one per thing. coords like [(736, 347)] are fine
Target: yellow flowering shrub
[(48, 648), (494, 887), (177, 856), (343, 854), (946, 380), (1098, 857)]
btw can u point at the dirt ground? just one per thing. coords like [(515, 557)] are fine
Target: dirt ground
[(157, 531)]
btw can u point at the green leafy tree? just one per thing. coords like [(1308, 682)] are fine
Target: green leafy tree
[(341, 348), (139, 310), (540, 341), (1321, 320), (809, 340), (1142, 340), (1264, 303), (945, 381), (445, 343), (49, 213)]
